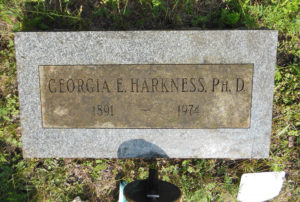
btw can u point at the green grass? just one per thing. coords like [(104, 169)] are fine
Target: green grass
[(199, 179)]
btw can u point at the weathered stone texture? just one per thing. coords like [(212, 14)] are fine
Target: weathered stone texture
[(257, 47)]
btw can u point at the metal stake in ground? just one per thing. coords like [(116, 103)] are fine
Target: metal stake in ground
[(152, 189)]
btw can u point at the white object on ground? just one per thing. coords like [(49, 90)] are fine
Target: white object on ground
[(257, 187), (121, 192), (77, 199)]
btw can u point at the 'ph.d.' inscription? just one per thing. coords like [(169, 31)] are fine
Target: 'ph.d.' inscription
[(146, 96)]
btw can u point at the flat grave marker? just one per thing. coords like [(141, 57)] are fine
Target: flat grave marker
[(127, 94)]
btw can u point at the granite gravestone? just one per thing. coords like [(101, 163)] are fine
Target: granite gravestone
[(176, 94)]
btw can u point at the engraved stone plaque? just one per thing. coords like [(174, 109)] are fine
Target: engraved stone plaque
[(140, 94), (146, 96)]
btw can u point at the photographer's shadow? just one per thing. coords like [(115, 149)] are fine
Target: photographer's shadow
[(139, 148)]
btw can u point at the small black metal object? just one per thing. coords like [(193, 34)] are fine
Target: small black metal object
[(151, 189), (152, 185)]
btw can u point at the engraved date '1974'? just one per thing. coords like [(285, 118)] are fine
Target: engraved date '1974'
[(187, 109)]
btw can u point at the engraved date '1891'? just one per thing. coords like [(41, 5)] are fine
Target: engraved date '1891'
[(103, 110)]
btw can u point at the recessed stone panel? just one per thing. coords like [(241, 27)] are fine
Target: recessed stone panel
[(146, 96)]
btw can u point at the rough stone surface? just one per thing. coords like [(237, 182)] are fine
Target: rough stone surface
[(258, 187), (256, 47)]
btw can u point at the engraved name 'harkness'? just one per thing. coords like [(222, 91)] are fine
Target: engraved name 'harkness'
[(144, 85)]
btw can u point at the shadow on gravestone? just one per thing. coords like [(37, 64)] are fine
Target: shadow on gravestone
[(139, 148)]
